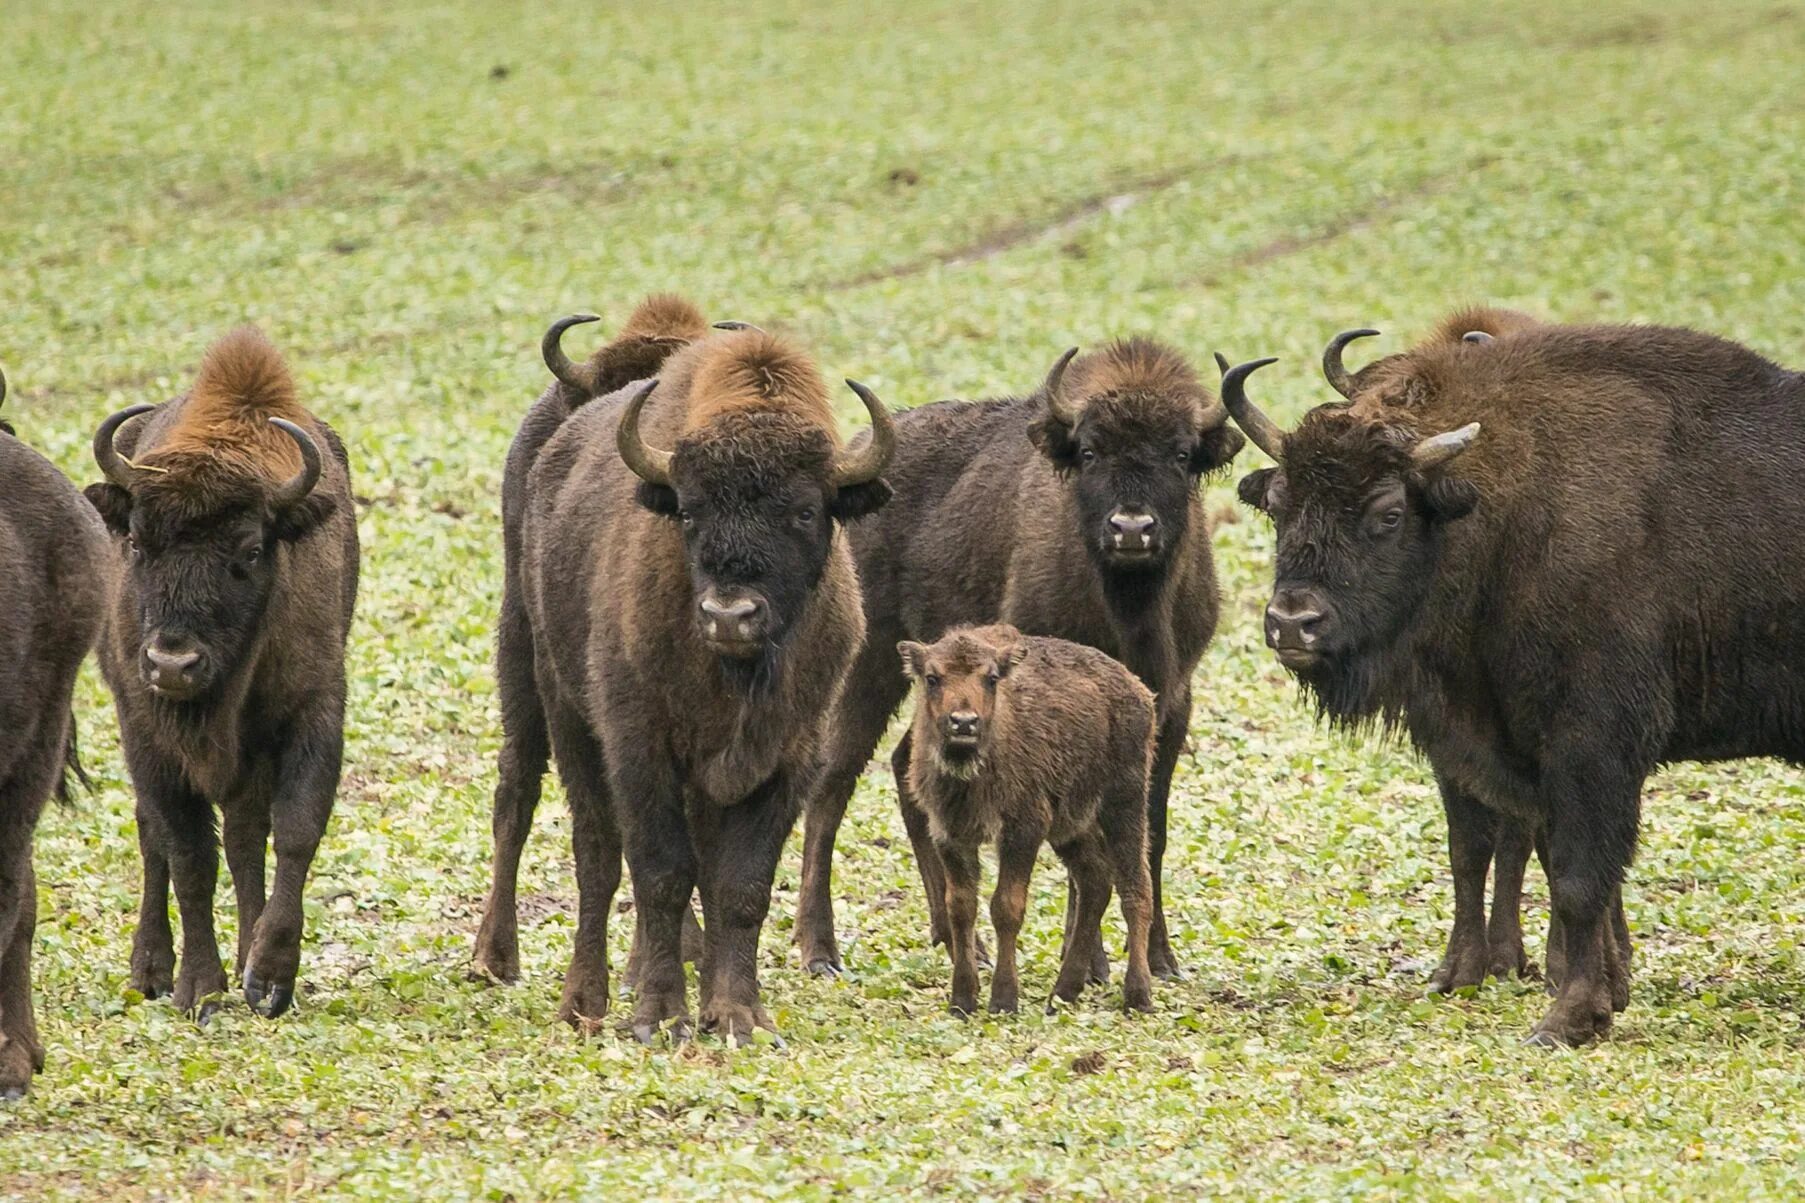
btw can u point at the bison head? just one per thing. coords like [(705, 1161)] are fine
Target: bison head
[(959, 676), (202, 529), (1360, 507), (757, 493), (1132, 431)]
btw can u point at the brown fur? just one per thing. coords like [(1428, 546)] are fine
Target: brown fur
[(1135, 373), (661, 325), (242, 384), (1487, 319), (1063, 752), (747, 371)]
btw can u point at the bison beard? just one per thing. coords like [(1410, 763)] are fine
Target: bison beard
[(1072, 512), (1496, 594), (52, 596), (678, 742)]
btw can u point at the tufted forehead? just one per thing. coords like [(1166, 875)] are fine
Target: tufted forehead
[(1336, 456), (972, 649), (191, 486), (1137, 387), (753, 453)]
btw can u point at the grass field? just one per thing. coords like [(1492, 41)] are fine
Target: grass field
[(936, 201)]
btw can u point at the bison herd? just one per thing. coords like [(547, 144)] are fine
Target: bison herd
[(1553, 556)]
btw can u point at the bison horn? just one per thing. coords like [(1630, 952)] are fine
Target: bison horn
[(648, 463), (868, 463), (1476, 336), (2, 388), (737, 325), (551, 346), (1062, 411), (1339, 380), (1432, 453), (113, 465), (1261, 429), (301, 483)]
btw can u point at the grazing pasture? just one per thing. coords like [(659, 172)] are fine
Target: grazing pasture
[(936, 202)]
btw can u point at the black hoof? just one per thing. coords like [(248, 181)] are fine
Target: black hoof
[(643, 1032), (12, 1094), (268, 1001), (823, 967), (204, 1013)]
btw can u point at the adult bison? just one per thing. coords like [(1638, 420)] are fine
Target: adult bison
[(1556, 560), (1071, 512), (53, 559), (693, 608), (660, 326), (225, 651)]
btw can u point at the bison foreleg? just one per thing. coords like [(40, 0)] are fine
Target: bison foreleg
[(1016, 851), (307, 774), (1175, 725), (662, 862), (245, 833), (962, 869), (1471, 836), (738, 849), (153, 944)]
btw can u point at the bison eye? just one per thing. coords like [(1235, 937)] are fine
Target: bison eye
[(1389, 520), (805, 515), (1087, 456), (932, 680), (686, 518), (1184, 457), (131, 544), (252, 555)]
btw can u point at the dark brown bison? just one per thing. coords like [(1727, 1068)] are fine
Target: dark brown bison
[(1557, 560), (53, 569), (693, 608), (225, 651), (1072, 512), (1021, 741), (660, 326)]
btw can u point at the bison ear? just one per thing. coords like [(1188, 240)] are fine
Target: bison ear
[(660, 499), (114, 505), (1253, 489), (914, 657), (295, 521), (1011, 657), (1217, 449), (855, 501), (1449, 497), (1055, 441)]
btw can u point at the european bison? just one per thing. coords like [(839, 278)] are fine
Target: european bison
[(660, 326), (1071, 512), (53, 566), (693, 608), (225, 651), (1021, 741), (1556, 561)]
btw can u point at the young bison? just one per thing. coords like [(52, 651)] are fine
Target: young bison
[(225, 651), (52, 595), (1022, 741)]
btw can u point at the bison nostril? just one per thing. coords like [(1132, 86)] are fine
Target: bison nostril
[(737, 611), (1293, 626), (963, 723), (1124, 523)]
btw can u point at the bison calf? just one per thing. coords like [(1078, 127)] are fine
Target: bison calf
[(225, 651), (52, 590), (1021, 741)]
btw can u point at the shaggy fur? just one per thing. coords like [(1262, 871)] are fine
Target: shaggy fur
[(1003, 515), (661, 325), (1063, 746), (263, 595), (1609, 578), (53, 570), (692, 759)]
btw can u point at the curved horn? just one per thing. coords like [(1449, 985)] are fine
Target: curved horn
[(2, 388), (113, 465), (868, 463), (734, 325), (1057, 405), (1476, 336), (1432, 453), (551, 346), (1261, 429), (648, 463), (301, 483), (1339, 380)]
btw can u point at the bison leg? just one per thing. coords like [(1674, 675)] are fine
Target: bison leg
[(1174, 727), (1471, 836), (1097, 972), (691, 944), (961, 864), (1504, 933), (192, 850), (1125, 833), (21, 1054), (307, 774), (1016, 851), (662, 861), (525, 750), (1557, 944), (245, 833), (1619, 966), (1591, 837), (856, 726), (596, 842), (1088, 871), (739, 847), (153, 944)]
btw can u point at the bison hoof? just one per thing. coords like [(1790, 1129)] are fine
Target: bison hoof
[(822, 967), (679, 1032), (267, 1000), (12, 1094)]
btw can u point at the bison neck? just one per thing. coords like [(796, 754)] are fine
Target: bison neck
[(1139, 605)]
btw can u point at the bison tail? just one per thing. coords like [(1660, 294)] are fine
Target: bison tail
[(72, 769)]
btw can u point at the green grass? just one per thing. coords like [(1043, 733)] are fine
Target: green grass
[(928, 201)]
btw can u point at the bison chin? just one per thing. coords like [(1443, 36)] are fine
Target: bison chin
[(960, 759), (1348, 688)]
